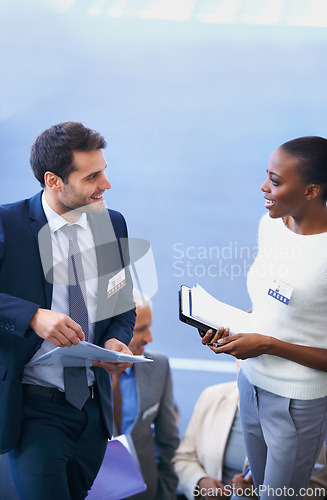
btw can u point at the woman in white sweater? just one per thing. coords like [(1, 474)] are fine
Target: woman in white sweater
[(283, 380)]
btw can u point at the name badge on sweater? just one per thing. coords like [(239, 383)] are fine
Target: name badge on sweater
[(280, 291), (116, 283)]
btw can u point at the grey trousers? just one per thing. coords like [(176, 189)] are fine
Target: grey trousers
[(282, 437)]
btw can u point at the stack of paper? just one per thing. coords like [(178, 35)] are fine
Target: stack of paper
[(206, 309), (83, 354)]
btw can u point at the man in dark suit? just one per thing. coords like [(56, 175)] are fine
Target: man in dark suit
[(54, 422), (147, 411)]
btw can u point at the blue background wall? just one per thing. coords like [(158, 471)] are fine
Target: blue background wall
[(191, 112)]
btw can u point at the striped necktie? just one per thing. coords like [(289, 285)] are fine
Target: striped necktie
[(75, 379)]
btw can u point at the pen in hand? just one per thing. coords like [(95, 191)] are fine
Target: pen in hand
[(216, 344)]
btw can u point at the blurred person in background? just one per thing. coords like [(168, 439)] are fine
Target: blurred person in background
[(146, 410)]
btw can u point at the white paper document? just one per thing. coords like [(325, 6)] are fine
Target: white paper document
[(83, 354), (210, 311)]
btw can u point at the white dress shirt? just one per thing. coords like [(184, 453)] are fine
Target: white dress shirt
[(51, 376)]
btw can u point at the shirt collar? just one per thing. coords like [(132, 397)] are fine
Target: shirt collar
[(56, 221)]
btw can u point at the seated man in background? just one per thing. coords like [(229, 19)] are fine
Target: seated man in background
[(146, 411)]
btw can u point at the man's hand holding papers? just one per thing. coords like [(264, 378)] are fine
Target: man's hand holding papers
[(114, 345), (114, 358)]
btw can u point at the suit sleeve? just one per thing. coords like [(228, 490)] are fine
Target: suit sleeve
[(15, 313), (166, 441), (121, 327)]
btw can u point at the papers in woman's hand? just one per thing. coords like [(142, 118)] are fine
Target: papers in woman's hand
[(199, 305)]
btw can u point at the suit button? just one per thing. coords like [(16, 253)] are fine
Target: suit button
[(2, 324), (12, 327), (7, 326)]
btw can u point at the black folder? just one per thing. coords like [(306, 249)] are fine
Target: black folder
[(185, 311)]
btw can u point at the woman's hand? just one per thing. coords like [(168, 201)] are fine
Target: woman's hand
[(241, 345), (212, 337), (212, 488), (251, 345), (241, 487)]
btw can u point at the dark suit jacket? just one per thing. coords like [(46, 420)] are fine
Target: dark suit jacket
[(155, 407), (24, 288)]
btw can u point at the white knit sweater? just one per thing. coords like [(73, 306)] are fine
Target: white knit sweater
[(301, 262)]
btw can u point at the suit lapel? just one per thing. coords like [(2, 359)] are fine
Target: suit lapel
[(142, 376), (41, 231)]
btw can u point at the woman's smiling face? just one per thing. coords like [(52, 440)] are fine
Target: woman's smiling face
[(284, 189)]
